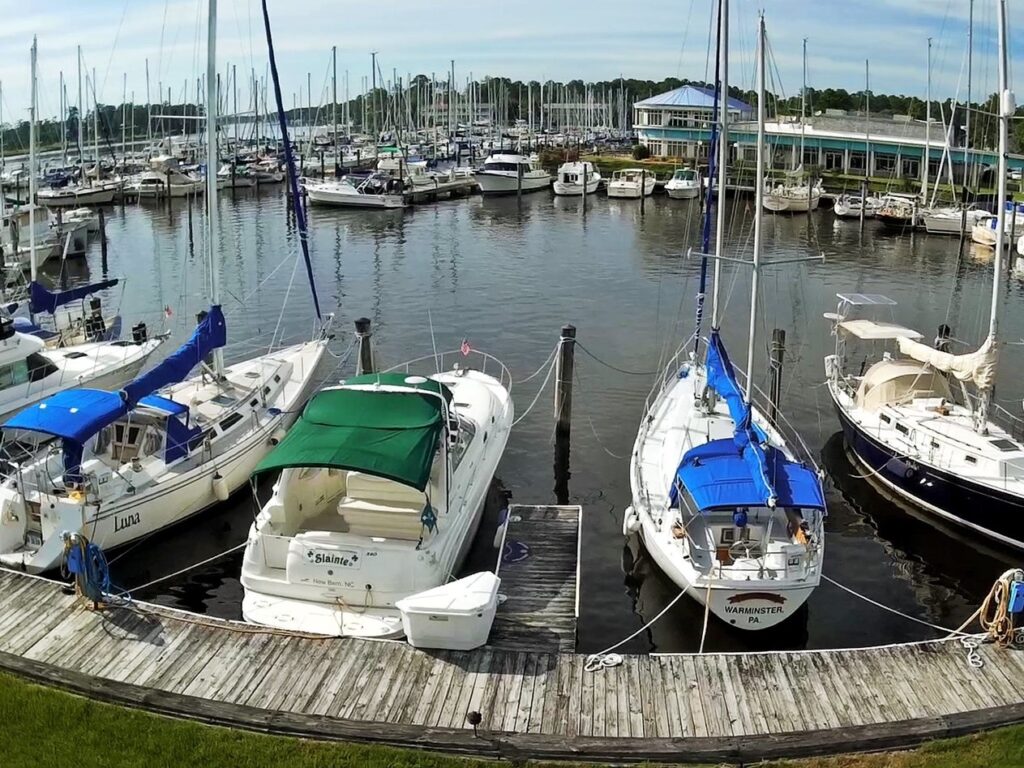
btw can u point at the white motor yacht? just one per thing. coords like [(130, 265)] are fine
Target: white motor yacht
[(165, 179), (569, 180), (373, 191), (683, 185), (506, 172), (631, 183), (382, 486)]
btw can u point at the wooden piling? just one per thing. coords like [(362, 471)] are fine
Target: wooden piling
[(363, 333), (519, 182), (584, 193), (963, 222), (777, 354), (863, 200), (564, 368), (643, 188), (103, 237)]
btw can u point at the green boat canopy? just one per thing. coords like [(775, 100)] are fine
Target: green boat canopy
[(381, 432)]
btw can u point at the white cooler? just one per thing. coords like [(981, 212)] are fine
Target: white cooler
[(456, 616)]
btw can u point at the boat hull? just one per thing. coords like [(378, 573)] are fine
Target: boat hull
[(989, 511), (354, 199), (570, 189), (500, 183), (682, 193)]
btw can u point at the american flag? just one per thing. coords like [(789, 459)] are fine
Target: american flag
[(168, 312), (465, 348)]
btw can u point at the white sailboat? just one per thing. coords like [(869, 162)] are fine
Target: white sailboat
[(382, 487), (853, 206), (720, 498), (163, 448), (955, 455)]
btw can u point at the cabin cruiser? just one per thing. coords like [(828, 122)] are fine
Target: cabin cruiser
[(382, 487), (165, 178), (984, 230), (630, 183), (683, 185), (373, 191), (951, 220), (570, 178), (29, 371), (15, 240), (506, 172)]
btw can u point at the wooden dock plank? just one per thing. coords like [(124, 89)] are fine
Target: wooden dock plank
[(686, 671)]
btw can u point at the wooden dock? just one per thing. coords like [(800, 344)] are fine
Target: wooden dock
[(539, 569), (460, 186), (535, 702)]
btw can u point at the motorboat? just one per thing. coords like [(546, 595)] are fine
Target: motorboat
[(165, 446), (165, 179), (373, 191), (84, 217), (382, 486), (631, 183), (854, 206), (921, 419), (570, 178), (235, 176), (506, 172), (984, 232), (725, 498), (684, 184)]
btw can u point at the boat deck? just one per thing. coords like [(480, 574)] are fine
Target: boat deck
[(535, 702)]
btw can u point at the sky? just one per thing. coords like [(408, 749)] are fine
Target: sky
[(525, 40)]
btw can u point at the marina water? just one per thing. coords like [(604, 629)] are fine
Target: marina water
[(505, 276)]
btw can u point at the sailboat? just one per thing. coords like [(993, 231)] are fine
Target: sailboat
[(912, 419), (722, 500), (167, 445)]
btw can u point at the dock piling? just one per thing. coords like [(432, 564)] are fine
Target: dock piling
[(778, 354), (863, 200), (584, 192), (363, 333), (643, 188), (519, 183), (564, 368), (103, 237)]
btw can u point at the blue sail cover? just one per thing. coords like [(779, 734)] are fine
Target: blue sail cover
[(761, 464), (74, 414), (210, 334), (717, 476), (42, 300)]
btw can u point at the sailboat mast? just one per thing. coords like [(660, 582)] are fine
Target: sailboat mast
[(967, 117), (867, 120), (1006, 111), (927, 126), (63, 123), (211, 170), (81, 106), (32, 169), (758, 209), (803, 101), (95, 125), (723, 152), (334, 99)]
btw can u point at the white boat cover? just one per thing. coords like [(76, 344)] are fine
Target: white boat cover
[(873, 330), (978, 366)]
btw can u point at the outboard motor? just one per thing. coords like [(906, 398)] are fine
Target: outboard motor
[(139, 334), (6, 327)]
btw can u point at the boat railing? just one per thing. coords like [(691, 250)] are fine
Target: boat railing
[(1002, 418), (446, 361)]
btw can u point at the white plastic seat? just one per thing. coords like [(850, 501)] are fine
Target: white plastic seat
[(389, 521)]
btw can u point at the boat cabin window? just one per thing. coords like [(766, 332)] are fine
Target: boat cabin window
[(466, 433), (126, 443), (14, 374), (40, 367)]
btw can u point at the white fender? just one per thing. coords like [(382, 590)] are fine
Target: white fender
[(277, 437), (630, 522), (220, 487)]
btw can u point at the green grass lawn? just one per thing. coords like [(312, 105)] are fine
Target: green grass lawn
[(52, 729)]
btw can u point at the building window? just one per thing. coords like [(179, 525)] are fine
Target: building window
[(910, 168), (674, 149), (833, 161), (885, 163), (856, 161), (810, 156)]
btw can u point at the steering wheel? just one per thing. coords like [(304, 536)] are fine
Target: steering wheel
[(745, 548)]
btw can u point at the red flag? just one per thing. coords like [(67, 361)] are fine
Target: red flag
[(168, 311), (465, 348)]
